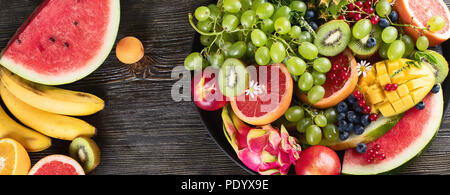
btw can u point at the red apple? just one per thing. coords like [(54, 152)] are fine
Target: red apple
[(318, 160)]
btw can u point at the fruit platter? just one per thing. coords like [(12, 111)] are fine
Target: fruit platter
[(321, 86)]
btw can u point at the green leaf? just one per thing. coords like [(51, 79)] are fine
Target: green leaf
[(425, 56)]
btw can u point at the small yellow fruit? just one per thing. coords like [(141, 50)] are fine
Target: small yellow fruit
[(129, 50)]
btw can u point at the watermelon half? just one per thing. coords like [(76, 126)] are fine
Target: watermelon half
[(63, 41), (403, 143)]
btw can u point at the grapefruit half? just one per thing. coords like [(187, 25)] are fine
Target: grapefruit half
[(268, 96), (335, 94), (57, 165), (418, 12)]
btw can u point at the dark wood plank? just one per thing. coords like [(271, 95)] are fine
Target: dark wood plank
[(142, 130)]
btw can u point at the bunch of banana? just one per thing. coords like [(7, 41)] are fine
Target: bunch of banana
[(48, 110)]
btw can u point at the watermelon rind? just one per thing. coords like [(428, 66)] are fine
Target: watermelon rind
[(91, 66), (402, 160)]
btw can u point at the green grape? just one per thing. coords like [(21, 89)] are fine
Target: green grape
[(258, 38), (383, 50), (230, 22), (226, 48), (320, 120), (262, 56), (295, 32), (303, 124), (298, 6), (205, 26), (313, 135), (277, 52), (206, 40), (267, 26), (283, 11), (245, 4), (202, 13), (331, 114), (232, 6), (296, 66), (389, 34), (362, 28), (436, 23), (305, 82), (282, 25), (330, 132), (251, 49), (308, 50), (294, 114), (248, 18), (238, 49), (422, 43), (409, 45), (319, 78), (265, 10), (193, 61), (315, 94), (216, 59), (396, 50), (305, 37), (256, 3), (322, 65), (383, 8), (215, 11)]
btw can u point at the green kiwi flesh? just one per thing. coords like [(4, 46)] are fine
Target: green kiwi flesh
[(359, 46), (440, 68), (86, 152), (233, 77), (332, 37)]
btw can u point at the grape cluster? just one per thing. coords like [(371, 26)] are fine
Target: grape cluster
[(263, 33), (314, 124)]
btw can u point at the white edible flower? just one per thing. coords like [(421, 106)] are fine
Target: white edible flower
[(363, 67), (254, 89)]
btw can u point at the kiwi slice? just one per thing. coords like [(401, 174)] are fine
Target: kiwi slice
[(332, 37), (359, 46), (441, 66), (233, 77), (86, 152)]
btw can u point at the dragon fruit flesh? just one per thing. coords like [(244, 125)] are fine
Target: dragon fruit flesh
[(264, 149)]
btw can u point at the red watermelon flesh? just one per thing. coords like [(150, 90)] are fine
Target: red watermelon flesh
[(403, 142), (63, 40)]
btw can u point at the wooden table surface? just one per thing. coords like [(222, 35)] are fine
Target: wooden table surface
[(142, 130)]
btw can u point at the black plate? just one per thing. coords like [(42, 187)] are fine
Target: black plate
[(213, 121)]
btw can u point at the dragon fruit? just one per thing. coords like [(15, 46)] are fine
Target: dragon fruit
[(264, 149)]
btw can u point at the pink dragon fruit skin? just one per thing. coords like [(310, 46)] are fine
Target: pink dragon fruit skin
[(265, 149)]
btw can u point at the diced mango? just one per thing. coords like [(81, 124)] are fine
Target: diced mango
[(408, 101), (402, 90), (384, 79), (387, 110), (416, 83), (398, 106), (417, 95), (392, 96), (381, 68)]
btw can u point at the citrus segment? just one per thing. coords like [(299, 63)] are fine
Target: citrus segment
[(57, 165), (268, 96), (14, 159)]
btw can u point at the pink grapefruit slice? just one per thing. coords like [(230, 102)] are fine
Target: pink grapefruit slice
[(57, 165)]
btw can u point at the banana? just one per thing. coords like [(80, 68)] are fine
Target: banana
[(31, 140), (51, 99), (50, 124)]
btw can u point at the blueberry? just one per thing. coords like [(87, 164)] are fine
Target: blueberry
[(420, 106), (351, 116), (344, 135), (342, 107), (342, 125), (361, 148), (358, 130), (351, 99), (349, 127), (313, 25), (356, 108), (365, 120), (436, 88), (371, 42), (383, 23), (309, 14), (393, 16), (341, 116)]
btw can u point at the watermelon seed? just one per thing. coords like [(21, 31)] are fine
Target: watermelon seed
[(75, 23), (19, 41), (52, 39), (66, 44)]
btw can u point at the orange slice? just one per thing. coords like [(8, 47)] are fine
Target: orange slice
[(418, 12), (14, 159), (335, 94)]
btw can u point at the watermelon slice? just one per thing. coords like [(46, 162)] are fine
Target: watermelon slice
[(403, 143), (63, 41)]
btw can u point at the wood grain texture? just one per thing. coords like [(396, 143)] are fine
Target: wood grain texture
[(142, 130)]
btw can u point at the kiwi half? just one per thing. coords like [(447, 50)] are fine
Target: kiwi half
[(86, 152), (332, 37), (441, 66), (359, 46), (233, 77)]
